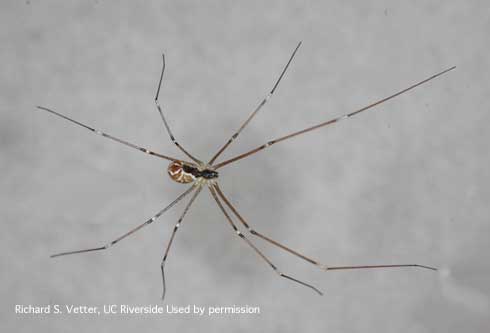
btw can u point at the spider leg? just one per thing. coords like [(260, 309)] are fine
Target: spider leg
[(242, 236), (329, 122), (296, 253), (176, 227), (130, 232), (261, 104), (108, 136), (157, 103)]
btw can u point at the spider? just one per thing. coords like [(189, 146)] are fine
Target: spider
[(200, 175)]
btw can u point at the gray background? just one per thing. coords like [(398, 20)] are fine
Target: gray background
[(406, 182)]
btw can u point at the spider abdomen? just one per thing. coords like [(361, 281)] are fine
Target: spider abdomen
[(177, 173)]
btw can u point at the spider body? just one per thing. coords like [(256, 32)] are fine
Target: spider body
[(185, 173)]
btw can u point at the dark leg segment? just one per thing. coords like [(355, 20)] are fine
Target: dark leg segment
[(242, 236)]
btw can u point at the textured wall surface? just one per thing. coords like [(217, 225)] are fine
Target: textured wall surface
[(407, 182)]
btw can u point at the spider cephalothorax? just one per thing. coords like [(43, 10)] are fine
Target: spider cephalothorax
[(184, 173)]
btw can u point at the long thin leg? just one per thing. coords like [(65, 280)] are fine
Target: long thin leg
[(242, 236), (157, 103), (269, 95), (312, 261), (329, 122), (130, 232), (105, 135), (176, 227)]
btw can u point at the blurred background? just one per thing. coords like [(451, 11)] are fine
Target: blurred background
[(406, 182)]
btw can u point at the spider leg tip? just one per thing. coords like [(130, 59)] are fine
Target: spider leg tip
[(428, 267)]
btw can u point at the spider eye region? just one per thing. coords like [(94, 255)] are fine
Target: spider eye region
[(184, 173)]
